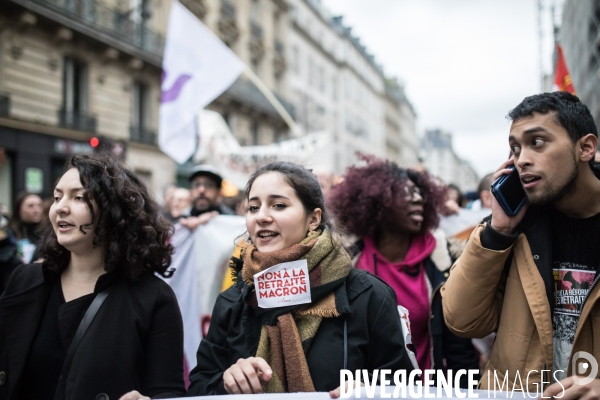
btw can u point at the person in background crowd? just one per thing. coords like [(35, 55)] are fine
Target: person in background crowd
[(455, 194), (485, 194), (167, 197), (9, 258), (531, 278), (325, 179), (180, 204), (24, 223), (205, 191), (299, 348), (103, 244), (394, 212)]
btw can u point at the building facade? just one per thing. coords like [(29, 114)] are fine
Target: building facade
[(71, 71), (441, 161), (579, 37), (337, 87)]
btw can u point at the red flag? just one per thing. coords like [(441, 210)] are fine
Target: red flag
[(562, 79)]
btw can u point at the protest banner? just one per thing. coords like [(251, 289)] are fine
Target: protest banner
[(200, 261)]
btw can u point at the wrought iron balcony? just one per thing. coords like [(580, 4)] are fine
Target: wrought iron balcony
[(141, 134), (104, 23), (77, 120), (4, 105)]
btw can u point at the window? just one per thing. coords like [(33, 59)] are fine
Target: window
[(296, 59), (256, 66), (255, 133), (74, 110), (321, 79), (140, 114)]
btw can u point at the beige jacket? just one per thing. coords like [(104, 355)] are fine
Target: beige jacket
[(479, 298)]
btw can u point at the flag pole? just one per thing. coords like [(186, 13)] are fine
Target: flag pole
[(274, 102)]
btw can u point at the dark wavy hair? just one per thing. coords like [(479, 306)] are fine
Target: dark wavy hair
[(304, 183), (369, 194), (132, 231)]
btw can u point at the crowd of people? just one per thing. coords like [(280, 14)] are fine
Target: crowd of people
[(84, 315)]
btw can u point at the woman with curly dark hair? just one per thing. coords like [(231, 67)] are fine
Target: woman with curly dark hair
[(92, 321), (394, 212)]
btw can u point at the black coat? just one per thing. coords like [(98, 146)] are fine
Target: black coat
[(375, 338), (135, 342)]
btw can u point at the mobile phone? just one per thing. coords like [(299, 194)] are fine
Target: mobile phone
[(509, 192)]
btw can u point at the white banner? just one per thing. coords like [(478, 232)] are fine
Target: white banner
[(221, 149), (197, 68), (376, 393), (201, 259)]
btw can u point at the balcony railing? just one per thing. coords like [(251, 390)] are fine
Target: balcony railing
[(4, 105), (76, 120), (142, 135), (110, 21)]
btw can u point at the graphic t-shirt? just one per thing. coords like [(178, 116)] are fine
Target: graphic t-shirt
[(576, 258)]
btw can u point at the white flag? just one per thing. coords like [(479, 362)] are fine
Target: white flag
[(197, 68)]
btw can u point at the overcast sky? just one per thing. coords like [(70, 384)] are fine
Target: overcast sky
[(464, 63)]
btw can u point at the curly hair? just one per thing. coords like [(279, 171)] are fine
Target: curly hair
[(134, 234), (369, 194)]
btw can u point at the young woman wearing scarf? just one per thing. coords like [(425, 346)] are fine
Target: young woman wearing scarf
[(394, 212), (351, 321)]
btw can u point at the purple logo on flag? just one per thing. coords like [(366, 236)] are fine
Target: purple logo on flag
[(173, 92)]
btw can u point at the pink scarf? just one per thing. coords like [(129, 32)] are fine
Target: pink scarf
[(411, 291)]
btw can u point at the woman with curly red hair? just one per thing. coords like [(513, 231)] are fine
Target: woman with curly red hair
[(394, 212)]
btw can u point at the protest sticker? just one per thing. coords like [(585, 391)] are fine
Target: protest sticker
[(283, 285)]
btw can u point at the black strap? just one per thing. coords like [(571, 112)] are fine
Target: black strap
[(81, 329), (345, 344)]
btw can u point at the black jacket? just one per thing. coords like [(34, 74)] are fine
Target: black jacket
[(374, 335), (135, 342)]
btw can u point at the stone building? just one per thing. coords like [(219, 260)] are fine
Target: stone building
[(580, 39), (70, 71), (337, 87), (440, 160)]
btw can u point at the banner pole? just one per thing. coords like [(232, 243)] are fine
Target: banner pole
[(274, 102)]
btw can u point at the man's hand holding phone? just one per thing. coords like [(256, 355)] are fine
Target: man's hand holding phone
[(501, 222)]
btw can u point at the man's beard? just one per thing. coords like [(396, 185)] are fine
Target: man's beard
[(553, 194), (205, 206)]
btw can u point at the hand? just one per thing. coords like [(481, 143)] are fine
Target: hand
[(193, 222), (134, 395), (452, 208), (247, 375), (591, 391), (335, 393), (500, 221)]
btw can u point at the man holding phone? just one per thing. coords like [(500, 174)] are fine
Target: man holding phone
[(533, 277)]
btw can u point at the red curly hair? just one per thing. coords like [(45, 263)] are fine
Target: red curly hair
[(364, 201)]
